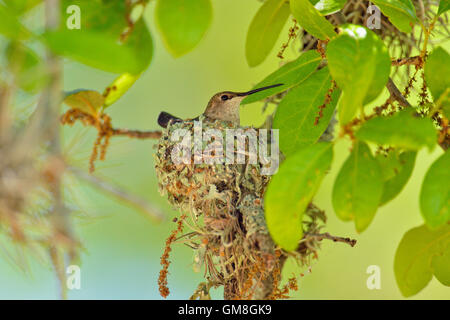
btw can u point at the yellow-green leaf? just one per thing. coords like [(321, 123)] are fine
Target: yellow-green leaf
[(435, 193), (25, 64), (291, 190), (311, 20), (21, 6), (444, 5), (101, 43), (290, 75), (327, 7), (358, 187), (296, 114), (389, 163), (106, 17), (182, 23), (265, 29), (118, 88), (399, 174), (360, 64), (88, 101), (401, 13), (420, 254), (10, 26), (95, 50), (437, 71), (406, 129)]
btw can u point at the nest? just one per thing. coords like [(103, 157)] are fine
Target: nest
[(223, 208)]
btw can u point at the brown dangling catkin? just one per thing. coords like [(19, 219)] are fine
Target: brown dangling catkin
[(165, 262), (94, 154), (325, 103), (292, 35), (102, 122)]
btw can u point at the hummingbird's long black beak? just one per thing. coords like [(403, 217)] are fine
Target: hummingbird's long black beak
[(244, 94)]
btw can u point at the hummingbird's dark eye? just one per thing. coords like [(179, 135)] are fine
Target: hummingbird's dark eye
[(224, 97)]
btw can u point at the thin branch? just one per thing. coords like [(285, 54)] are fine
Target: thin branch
[(139, 203), (416, 60), (72, 115), (396, 94), (327, 236), (137, 134)]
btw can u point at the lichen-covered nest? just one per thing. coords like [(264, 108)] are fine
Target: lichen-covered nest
[(223, 206)]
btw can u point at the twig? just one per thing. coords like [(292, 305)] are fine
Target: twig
[(292, 35), (427, 32), (137, 134), (416, 60), (322, 236), (396, 94), (141, 204)]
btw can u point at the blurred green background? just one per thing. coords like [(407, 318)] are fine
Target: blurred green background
[(123, 247)]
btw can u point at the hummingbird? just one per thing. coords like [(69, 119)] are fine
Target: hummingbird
[(222, 106)]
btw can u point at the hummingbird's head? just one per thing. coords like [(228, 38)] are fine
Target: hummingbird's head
[(225, 105)]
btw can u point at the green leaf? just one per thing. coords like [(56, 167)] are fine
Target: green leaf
[(401, 13), (291, 190), (93, 49), (360, 64), (105, 40), (26, 65), (435, 193), (441, 268), (10, 26), (182, 23), (118, 88), (420, 254), (88, 101), (326, 7), (21, 6), (437, 70), (20, 57), (311, 20), (389, 164), (291, 74), (444, 5), (265, 29), (102, 52), (393, 185), (405, 129), (296, 114), (358, 187), (141, 43), (107, 17)]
